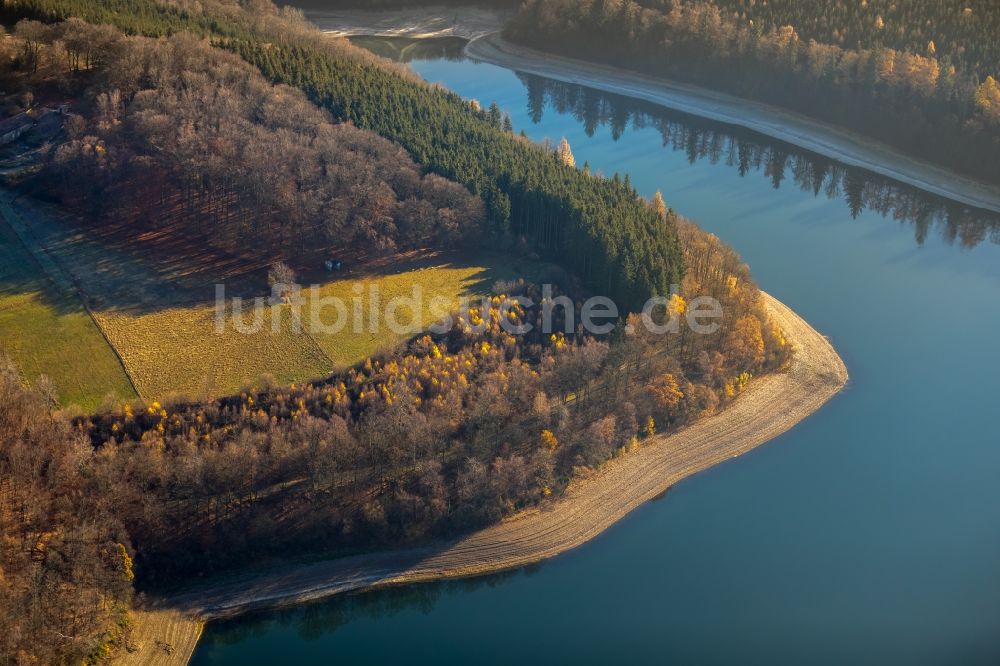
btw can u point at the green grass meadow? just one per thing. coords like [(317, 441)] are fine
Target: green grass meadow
[(48, 333)]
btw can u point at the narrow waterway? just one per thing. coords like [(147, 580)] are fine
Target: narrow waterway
[(869, 534)]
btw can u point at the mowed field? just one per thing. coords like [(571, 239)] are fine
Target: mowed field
[(47, 332), (153, 296), (178, 351)]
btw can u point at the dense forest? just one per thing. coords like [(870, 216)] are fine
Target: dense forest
[(596, 228), (65, 568), (221, 144), (937, 99), (959, 32)]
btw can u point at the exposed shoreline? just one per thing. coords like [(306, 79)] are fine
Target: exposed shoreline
[(829, 140), (416, 23), (768, 407)]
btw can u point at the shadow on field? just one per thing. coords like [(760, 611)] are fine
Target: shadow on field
[(141, 271)]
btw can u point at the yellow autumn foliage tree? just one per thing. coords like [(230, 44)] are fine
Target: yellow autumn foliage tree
[(676, 306), (988, 98), (127, 564), (665, 392), (745, 345), (659, 205), (565, 153)]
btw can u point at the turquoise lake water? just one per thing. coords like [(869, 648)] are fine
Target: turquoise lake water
[(869, 534)]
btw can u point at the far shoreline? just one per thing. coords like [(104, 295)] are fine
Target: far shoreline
[(798, 130), (481, 27)]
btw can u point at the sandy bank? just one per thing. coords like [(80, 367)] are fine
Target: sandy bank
[(161, 637), (419, 22), (767, 408), (829, 140)]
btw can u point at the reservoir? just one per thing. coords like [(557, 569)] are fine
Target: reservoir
[(869, 534)]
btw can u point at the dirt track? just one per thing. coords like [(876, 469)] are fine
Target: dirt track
[(768, 407)]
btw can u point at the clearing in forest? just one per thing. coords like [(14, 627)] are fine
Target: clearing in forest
[(152, 292)]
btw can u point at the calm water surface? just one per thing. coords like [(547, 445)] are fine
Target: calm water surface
[(870, 534)]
